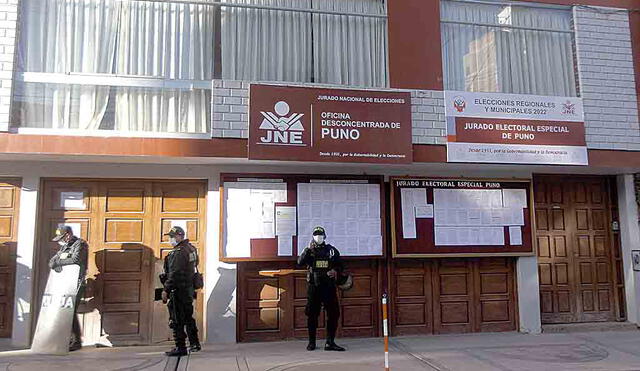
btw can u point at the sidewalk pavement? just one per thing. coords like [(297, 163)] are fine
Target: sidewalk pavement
[(610, 351)]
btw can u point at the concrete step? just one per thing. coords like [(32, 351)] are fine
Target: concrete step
[(587, 327)]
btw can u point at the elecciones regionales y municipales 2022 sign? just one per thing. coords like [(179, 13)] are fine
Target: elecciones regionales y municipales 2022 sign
[(513, 128)]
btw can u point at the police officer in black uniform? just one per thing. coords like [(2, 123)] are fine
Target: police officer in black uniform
[(325, 265), (179, 269), (73, 250)]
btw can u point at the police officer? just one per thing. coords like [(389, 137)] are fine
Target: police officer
[(179, 269), (324, 265), (73, 250)]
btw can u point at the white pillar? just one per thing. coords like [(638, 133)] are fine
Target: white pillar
[(220, 285), (528, 295), (630, 240), (27, 226)]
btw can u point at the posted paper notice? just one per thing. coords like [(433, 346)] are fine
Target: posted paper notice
[(285, 245), (285, 221), (515, 235)]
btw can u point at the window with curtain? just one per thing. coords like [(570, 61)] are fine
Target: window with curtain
[(321, 47), (118, 38), (146, 66), (507, 48)]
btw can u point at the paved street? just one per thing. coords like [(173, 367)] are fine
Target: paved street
[(619, 350)]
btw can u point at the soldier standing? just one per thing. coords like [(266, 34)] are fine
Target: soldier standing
[(324, 265), (73, 250), (179, 269)]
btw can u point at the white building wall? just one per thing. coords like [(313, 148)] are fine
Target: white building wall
[(630, 240), (8, 41), (528, 285), (23, 310), (607, 80)]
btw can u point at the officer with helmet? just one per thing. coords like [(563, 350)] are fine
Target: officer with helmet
[(180, 267), (73, 250), (325, 268)]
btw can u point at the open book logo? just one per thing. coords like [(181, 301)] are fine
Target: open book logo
[(282, 128)]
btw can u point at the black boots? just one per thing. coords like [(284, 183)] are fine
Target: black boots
[(75, 346), (311, 346), (312, 339), (195, 348), (176, 352), (331, 346)]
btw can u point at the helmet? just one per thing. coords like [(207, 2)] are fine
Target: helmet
[(345, 282), (175, 231)]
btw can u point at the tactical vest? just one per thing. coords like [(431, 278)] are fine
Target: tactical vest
[(321, 263)]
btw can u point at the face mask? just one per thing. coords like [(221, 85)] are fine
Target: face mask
[(62, 243), (173, 241), (318, 239)]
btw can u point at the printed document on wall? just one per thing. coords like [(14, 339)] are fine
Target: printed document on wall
[(350, 214), (249, 213), (285, 245), (408, 213), (515, 235), (425, 211), (285, 221), (514, 198)]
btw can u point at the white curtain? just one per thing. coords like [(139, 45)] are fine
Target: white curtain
[(170, 41), (348, 49), (125, 37), (504, 59), (177, 40), (66, 36), (272, 45), (266, 45)]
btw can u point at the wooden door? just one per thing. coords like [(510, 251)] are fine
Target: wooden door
[(496, 303), (123, 256), (575, 259), (411, 297), (271, 305), (9, 206), (359, 309), (453, 295), (182, 204), (65, 203), (123, 221), (264, 300)]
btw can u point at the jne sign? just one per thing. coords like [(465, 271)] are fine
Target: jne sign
[(511, 128), (332, 125)]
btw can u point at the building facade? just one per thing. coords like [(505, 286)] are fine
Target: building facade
[(122, 118)]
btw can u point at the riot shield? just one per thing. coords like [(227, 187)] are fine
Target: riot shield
[(56, 312)]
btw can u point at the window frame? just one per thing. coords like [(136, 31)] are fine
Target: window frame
[(139, 81), (523, 4)]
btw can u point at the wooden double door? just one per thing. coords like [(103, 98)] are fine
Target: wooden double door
[(427, 296), (438, 296), (578, 253), (9, 206), (271, 305), (123, 221)]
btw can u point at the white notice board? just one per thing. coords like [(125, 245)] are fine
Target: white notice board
[(249, 212), (461, 217), (349, 213)]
